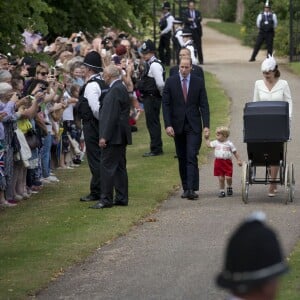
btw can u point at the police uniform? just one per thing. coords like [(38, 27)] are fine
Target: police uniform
[(88, 109), (253, 257), (165, 24), (266, 22), (151, 86)]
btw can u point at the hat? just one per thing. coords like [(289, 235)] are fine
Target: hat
[(116, 59), (148, 46), (5, 87), (253, 256), (267, 4), (121, 50), (28, 60), (93, 60), (186, 32), (106, 40), (269, 64), (122, 36), (177, 21), (166, 5)]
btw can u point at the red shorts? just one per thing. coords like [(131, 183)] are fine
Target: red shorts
[(223, 167)]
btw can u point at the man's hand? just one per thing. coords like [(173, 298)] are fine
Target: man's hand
[(206, 132), (102, 143), (170, 131)]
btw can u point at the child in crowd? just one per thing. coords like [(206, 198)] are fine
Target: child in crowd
[(223, 168)]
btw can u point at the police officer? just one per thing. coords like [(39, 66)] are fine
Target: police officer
[(151, 86), (177, 39), (266, 22), (253, 261), (165, 24), (188, 43), (88, 109)]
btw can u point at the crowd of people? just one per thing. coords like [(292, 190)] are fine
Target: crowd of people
[(42, 127)]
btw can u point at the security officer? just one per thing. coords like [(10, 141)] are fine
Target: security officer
[(266, 22), (151, 86), (177, 39), (253, 261), (165, 24), (88, 109)]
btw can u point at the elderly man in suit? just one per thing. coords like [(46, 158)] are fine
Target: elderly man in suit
[(185, 112), (114, 136)]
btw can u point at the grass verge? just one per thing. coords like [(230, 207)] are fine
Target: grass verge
[(52, 230), (230, 29)]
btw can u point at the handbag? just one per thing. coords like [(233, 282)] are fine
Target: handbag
[(33, 140)]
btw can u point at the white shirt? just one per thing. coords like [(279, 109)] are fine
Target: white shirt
[(259, 17), (279, 92), (188, 44), (92, 93), (68, 114), (224, 149), (169, 27), (156, 71)]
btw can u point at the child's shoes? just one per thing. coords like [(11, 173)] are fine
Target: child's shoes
[(229, 191), (221, 194)]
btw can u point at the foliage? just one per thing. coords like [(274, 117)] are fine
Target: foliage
[(64, 17), (281, 8), (15, 16), (227, 10)]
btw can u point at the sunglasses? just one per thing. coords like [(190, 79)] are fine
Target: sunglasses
[(43, 73)]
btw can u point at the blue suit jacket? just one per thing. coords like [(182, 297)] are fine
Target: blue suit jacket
[(195, 110)]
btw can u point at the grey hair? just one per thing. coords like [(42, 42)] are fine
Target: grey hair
[(113, 71)]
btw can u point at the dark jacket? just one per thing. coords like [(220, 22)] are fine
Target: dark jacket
[(176, 111), (198, 19), (114, 116)]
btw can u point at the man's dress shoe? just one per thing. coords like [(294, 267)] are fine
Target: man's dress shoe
[(121, 203), (148, 154), (191, 195), (89, 198), (185, 194), (100, 205)]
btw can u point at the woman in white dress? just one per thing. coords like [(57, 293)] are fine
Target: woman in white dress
[(271, 88)]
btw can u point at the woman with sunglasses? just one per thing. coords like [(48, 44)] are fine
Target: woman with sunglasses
[(271, 88)]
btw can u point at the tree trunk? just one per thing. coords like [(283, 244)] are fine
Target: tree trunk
[(240, 11)]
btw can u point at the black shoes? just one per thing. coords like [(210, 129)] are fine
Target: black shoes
[(100, 205), (229, 191), (185, 194), (189, 194), (121, 204), (89, 198), (251, 59), (148, 154)]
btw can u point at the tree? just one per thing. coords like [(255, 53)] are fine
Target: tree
[(67, 16)]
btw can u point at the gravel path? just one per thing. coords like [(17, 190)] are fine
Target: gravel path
[(178, 256)]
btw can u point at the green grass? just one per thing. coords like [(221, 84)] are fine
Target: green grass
[(230, 29), (52, 230), (295, 67)]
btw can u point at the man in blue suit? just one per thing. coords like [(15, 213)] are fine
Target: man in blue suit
[(186, 113)]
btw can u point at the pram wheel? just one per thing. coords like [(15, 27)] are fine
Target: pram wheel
[(245, 182), (289, 183)]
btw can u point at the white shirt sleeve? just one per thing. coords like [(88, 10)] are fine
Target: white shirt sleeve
[(92, 93), (156, 71), (170, 20)]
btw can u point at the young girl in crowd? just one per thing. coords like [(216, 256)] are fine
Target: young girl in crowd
[(224, 149)]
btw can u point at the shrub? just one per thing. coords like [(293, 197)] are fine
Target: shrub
[(227, 10)]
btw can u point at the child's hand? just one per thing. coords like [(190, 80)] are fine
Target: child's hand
[(240, 163)]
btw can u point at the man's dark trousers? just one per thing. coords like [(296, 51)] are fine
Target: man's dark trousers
[(187, 145), (164, 49), (114, 174), (93, 154), (152, 106)]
